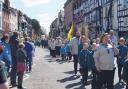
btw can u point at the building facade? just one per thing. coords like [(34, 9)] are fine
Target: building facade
[(78, 15), (54, 29), (60, 23), (57, 27), (1, 6), (13, 20), (122, 18), (68, 12), (6, 17), (110, 20), (93, 17), (88, 17)]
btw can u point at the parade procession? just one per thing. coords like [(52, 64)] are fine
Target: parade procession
[(64, 44)]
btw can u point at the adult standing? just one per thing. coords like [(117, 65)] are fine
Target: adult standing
[(58, 46), (6, 52), (43, 42), (52, 47), (29, 50), (113, 38), (3, 77), (74, 50), (104, 60), (14, 47)]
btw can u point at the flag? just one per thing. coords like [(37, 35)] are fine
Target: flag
[(70, 33)]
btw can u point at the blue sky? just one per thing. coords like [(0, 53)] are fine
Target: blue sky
[(44, 11)]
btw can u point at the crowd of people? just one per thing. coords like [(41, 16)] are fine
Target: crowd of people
[(16, 57), (96, 55)]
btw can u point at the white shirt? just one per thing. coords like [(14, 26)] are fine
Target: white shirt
[(58, 43), (53, 45), (74, 46)]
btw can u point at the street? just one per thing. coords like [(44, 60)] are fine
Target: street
[(50, 74)]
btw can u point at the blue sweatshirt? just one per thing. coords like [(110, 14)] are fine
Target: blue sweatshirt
[(83, 58), (123, 50), (6, 53)]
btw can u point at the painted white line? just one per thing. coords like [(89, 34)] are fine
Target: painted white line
[(26, 76)]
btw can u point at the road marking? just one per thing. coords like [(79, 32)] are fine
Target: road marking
[(26, 76)]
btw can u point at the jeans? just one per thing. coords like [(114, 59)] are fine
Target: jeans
[(29, 63), (75, 57), (84, 75), (94, 80), (120, 68), (20, 78), (13, 73)]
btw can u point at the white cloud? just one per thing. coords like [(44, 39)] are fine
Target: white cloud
[(45, 20), (30, 3)]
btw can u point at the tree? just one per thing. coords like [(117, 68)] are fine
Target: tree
[(43, 30), (36, 27)]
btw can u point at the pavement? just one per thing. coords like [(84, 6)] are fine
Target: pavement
[(48, 73)]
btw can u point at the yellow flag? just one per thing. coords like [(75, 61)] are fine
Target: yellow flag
[(70, 33)]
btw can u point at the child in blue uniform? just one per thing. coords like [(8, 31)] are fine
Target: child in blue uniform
[(83, 60), (63, 52), (92, 66), (121, 57)]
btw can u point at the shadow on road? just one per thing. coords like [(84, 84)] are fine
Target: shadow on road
[(73, 85), (119, 86), (80, 87), (71, 78), (69, 72)]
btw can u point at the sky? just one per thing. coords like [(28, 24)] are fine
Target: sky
[(45, 11)]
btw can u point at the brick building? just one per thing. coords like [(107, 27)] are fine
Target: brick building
[(6, 16), (68, 11)]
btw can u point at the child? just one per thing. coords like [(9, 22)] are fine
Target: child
[(21, 62), (83, 59), (63, 52), (122, 56), (68, 51), (125, 73), (92, 66)]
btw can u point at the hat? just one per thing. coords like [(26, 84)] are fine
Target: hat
[(121, 39)]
